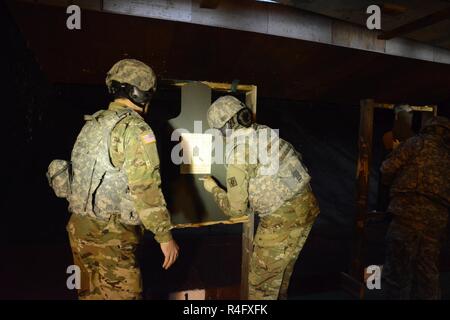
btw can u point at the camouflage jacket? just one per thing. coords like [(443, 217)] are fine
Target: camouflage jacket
[(119, 174), (133, 146), (234, 201), (420, 165), (263, 181)]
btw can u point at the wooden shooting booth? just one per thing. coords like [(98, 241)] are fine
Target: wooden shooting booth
[(190, 205), (353, 282)]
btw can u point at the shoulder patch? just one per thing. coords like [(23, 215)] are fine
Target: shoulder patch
[(148, 137), (232, 181)]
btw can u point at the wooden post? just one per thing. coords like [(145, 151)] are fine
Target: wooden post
[(248, 230), (356, 274)]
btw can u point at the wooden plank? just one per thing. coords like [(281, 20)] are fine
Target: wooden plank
[(362, 185), (247, 251), (243, 219), (416, 25), (427, 108), (248, 229), (217, 86)]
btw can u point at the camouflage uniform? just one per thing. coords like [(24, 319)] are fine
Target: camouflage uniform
[(418, 172), (105, 254), (278, 241), (282, 230), (105, 250), (107, 223)]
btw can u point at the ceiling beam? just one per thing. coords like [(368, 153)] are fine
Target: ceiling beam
[(259, 17), (416, 25)]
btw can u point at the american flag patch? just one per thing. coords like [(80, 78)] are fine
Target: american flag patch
[(148, 137)]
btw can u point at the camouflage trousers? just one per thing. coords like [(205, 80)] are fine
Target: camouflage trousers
[(411, 269), (278, 242), (105, 253)]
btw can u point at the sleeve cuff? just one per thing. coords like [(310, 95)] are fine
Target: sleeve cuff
[(163, 237)]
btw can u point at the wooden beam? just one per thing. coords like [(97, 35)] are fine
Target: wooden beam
[(216, 86), (414, 108), (416, 25), (248, 230), (356, 272), (243, 219)]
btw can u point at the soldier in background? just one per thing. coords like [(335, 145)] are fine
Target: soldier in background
[(282, 198), (401, 131), (418, 173), (116, 189)]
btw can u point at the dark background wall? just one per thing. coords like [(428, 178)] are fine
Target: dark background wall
[(40, 121)]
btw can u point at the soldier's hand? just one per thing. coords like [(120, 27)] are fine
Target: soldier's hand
[(170, 250), (395, 144), (209, 183)]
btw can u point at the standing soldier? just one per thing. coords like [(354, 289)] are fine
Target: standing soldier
[(277, 188), (115, 189), (418, 172), (400, 132)]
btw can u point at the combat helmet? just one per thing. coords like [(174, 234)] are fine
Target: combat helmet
[(133, 79), (222, 110)]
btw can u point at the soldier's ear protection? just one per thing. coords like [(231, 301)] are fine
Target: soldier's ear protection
[(244, 117), (125, 90), (139, 97)]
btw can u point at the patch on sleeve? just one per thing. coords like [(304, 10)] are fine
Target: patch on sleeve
[(148, 137), (232, 182), (297, 175)]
